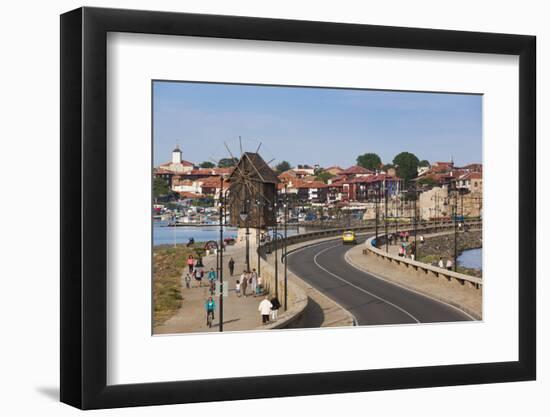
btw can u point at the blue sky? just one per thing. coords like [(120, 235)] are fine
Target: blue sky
[(313, 125)]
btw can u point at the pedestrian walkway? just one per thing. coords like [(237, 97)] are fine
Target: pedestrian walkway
[(465, 296), (393, 249), (239, 313)]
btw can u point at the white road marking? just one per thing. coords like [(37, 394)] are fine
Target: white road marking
[(359, 288), (355, 321), (359, 268)]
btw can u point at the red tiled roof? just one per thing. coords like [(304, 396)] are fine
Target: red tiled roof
[(381, 177), (287, 174), (162, 171), (471, 176), (356, 169), (212, 182), (184, 163), (312, 184)]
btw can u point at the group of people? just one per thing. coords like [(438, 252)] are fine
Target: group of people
[(249, 279), (269, 308), (448, 265), (197, 273)]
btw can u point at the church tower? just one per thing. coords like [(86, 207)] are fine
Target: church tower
[(176, 155)]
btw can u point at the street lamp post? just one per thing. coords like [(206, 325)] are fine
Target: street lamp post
[(415, 192), (277, 236), (244, 215), (377, 196), (220, 250), (386, 214), (259, 206), (248, 236), (276, 253), (285, 252)]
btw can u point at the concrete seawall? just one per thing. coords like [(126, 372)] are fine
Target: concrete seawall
[(301, 294), (459, 290)]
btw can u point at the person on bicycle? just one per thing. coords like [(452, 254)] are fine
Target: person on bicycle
[(210, 306), (212, 280)]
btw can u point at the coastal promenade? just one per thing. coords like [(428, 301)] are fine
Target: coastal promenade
[(458, 290), (239, 313)]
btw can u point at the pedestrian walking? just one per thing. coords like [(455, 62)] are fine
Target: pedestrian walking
[(265, 309), (231, 265), (199, 273), (238, 288), (187, 280), (422, 239), (254, 282), (275, 306), (440, 263), (190, 263), (449, 265), (244, 283)]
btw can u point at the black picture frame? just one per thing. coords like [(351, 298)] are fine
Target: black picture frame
[(84, 207)]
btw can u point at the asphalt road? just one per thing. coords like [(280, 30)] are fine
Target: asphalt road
[(371, 300)]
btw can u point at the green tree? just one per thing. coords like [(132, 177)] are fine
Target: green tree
[(407, 165), (228, 162), (207, 164), (323, 176), (282, 166), (370, 161), (424, 163), (160, 187)]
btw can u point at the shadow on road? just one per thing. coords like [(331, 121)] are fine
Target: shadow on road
[(312, 317)]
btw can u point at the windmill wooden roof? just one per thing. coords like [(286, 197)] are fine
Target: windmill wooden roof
[(260, 169)]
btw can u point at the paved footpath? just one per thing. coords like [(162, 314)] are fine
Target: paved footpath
[(394, 249), (239, 313), (436, 288)]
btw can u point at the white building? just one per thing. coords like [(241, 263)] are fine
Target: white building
[(178, 165)]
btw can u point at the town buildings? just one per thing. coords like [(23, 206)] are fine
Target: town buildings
[(439, 188)]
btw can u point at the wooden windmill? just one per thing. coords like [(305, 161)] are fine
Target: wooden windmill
[(252, 189)]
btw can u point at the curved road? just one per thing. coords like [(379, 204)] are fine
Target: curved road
[(370, 299)]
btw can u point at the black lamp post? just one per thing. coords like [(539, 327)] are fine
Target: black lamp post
[(259, 206), (285, 252), (386, 214), (220, 251), (455, 215), (415, 192), (277, 237), (275, 234), (244, 217), (377, 197)]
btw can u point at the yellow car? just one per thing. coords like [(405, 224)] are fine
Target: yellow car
[(349, 237)]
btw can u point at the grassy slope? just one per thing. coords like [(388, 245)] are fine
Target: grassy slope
[(168, 264)]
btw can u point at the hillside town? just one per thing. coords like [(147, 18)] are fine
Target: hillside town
[(358, 190)]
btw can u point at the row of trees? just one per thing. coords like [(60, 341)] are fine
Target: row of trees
[(222, 163), (406, 164)]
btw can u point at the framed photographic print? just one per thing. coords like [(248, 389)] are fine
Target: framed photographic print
[(258, 208)]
